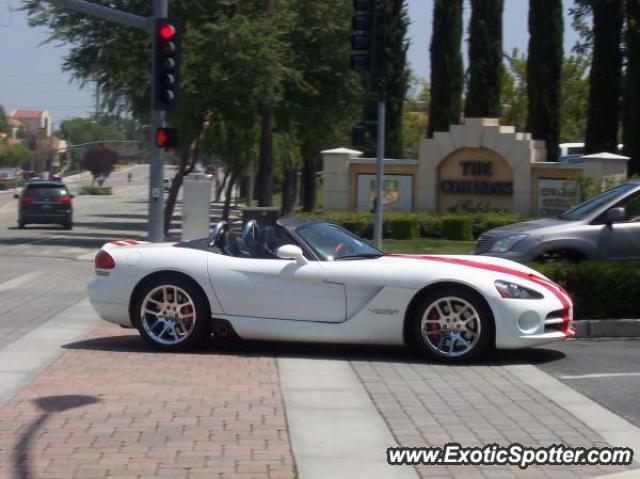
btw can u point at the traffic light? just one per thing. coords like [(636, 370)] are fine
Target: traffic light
[(362, 24), (166, 66), (166, 138)]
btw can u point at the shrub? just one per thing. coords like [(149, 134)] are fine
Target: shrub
[(457, 228), (600, 290), (402, 228), (95, 190)]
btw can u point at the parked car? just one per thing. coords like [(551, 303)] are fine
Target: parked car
[(315, 281), (45, 202), (606, 227)]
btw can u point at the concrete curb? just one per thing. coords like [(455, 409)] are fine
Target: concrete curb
[(607, 328)]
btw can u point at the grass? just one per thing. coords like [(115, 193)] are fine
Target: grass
[(427, 246), (95, 190)]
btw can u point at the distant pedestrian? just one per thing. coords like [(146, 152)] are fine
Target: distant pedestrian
[(129, 177)]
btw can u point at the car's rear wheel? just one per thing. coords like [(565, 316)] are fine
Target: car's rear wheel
[(453, 324), (172, 314)]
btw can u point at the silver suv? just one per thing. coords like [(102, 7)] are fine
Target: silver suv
[(606, 227)]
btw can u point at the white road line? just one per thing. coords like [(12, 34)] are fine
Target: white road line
[(602, 375), (18, 281)]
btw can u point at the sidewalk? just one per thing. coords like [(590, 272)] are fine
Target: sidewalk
[(108, 406)]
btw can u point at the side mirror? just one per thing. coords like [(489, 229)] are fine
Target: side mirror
[(291, 251), (16, 196), (616, 215)]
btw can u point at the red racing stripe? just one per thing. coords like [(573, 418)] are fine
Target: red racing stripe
[(555, 289)]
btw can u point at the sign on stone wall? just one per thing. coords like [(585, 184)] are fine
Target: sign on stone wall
[(474, 180), (398, 192), (556, 196)]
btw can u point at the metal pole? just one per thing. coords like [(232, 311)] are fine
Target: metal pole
[(379, 173), (156, 160)]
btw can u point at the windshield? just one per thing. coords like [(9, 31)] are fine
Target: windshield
[(331, 242), (584, 209), (45, 191)]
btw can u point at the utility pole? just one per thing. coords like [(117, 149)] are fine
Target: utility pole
[(156, 166), (380, 64)]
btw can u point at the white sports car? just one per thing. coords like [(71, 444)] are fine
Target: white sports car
[(315, 281)]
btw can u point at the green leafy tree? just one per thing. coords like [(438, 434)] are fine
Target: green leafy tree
[(544, 72), (4, 121), (325, 99), (604, 99), (485, 59), (447, 75), (575, 98), (416, 118), (513, 92), (631, 93), (82, 130), (396, 72)]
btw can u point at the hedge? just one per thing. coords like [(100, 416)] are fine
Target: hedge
[(95, 190), (600, 290), (418, 225)]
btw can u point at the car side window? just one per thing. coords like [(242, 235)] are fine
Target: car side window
[(632, 207)]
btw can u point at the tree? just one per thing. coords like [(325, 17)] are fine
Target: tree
[(544, 72), (325, 99), (447, 76), (513, 93), (4, 122), (605, 79), (416, 118), (99, 162), (631, 94), (485, 59), (396, 73), (82, 130), (575, 98)]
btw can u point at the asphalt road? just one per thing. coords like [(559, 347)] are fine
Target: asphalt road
[(605, 370)]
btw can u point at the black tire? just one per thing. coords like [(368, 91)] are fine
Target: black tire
[(486, 330), (555, 256), (67, 226), (200, 331)]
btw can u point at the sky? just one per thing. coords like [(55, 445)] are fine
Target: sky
[(31, 76)]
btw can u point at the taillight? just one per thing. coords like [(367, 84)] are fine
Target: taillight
[(65, 200), (104, 260), (27, 200)]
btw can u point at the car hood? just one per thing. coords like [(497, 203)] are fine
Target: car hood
[(538, 226)]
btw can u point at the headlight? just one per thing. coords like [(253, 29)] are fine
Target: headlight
[(505, 244), (515, 291)]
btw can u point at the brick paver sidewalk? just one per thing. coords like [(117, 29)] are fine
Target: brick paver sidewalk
[(131, 413), (474, 405)]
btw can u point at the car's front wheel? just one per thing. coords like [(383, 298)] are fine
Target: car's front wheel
[(172, 314), (453, 324)]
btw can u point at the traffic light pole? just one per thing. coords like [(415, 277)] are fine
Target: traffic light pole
[(156, 167), (377, 230), (156, 156)]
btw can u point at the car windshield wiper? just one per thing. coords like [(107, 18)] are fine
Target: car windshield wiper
[(360, 255)]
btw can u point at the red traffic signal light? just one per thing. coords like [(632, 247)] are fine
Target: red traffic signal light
[(167, 31), (166, 138)]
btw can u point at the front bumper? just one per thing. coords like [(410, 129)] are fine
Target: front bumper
[(526, 323)]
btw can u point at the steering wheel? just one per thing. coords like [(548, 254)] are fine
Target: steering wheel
[(217, 231)]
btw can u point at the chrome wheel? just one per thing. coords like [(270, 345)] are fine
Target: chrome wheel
[(168, 315), (451, 326)]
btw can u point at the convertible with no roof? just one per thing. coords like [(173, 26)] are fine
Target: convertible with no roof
[(315, 281)]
